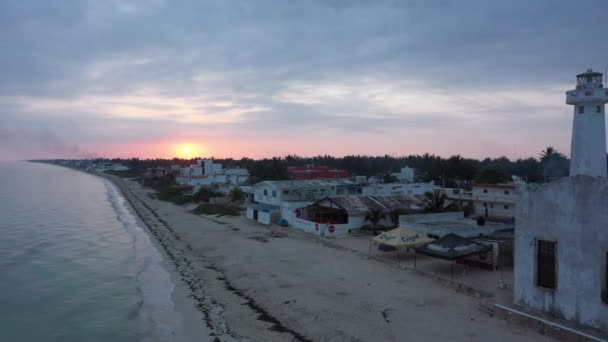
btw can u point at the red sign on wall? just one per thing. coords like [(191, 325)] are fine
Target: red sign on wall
[(316, 226), (331, 229)]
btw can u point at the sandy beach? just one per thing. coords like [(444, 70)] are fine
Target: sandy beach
[(261, 283)]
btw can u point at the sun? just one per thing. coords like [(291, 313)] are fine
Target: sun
[(186, 151)]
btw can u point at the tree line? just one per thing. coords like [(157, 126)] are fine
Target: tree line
[(454, 171)]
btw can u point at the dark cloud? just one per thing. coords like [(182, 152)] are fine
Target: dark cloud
[(214, 58)]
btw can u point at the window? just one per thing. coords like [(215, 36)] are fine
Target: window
[(506, 207), (506, 192), (581, 109), (545, 264), (492, 205), (274, 193), (265, 192), (485, 205), (285, 192), (598, 109), (485, 191)]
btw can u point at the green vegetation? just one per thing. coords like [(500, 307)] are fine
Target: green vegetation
[(435, 201), (491, 174), (204, 194), (455, 171), (374, 216), (216, 209), (236, 195), (177, 195), (173, 194), (124, 174)]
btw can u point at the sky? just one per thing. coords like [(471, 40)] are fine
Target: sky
[(186, 78)]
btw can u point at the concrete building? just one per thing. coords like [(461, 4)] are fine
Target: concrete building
[(406, 174), (275, 199), (316, 172), (208, 173), (332, 216), (395, 189), (561, 236), (275, 192), (488, 200)]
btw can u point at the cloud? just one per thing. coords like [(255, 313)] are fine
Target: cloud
[(134, 71)]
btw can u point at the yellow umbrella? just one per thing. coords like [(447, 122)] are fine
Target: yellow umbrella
[(402, 238)]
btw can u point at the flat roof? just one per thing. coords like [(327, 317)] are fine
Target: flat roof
[(307, 183), (464, 227)]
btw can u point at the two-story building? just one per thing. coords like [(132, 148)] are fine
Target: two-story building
[(488, 200), (273, 197), (208, 173)]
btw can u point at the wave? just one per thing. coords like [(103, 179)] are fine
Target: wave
[(152, 281)]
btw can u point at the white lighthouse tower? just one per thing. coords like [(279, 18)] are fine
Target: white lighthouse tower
[(588, 154)]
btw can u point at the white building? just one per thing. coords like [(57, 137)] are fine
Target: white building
[(275, 192), (488, 200), (561, 236), (339, 215), (275, 199), (405, 175), (396, 189), (207, 173)]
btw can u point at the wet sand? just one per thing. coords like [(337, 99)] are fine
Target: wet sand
[(255, 282)]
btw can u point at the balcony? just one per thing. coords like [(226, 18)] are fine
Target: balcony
[(587, 95)]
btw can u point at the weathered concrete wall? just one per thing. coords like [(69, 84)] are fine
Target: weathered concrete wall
[(573, 212), (422, 218)]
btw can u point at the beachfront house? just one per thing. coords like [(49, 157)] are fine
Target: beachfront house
[(561, 236), (207, 173), (338, 215), (273, 197)]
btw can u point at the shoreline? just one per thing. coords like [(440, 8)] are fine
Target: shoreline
[(252, 284), (183, 296), (165, 238), (186, 324)]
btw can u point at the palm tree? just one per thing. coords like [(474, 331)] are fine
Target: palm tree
[(435, 201), (547, 153), (374, 216)]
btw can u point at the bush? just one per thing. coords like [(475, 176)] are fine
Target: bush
[(216, 209), (204, 194), (124, 173), (174, 195)]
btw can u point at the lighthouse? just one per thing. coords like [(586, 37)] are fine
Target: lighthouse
[(588, 152)]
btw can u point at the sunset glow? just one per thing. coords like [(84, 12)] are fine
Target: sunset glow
[(188, 150)]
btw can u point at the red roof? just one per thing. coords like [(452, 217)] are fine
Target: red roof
[(316, 172)]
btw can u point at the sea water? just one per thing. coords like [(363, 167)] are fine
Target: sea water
[(74, 263)]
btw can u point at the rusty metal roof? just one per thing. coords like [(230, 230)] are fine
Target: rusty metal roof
[(365, 203)]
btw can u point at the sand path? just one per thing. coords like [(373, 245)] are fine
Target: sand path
[(251, 284)]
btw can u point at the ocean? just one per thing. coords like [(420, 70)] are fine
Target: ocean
[(74, 263)]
